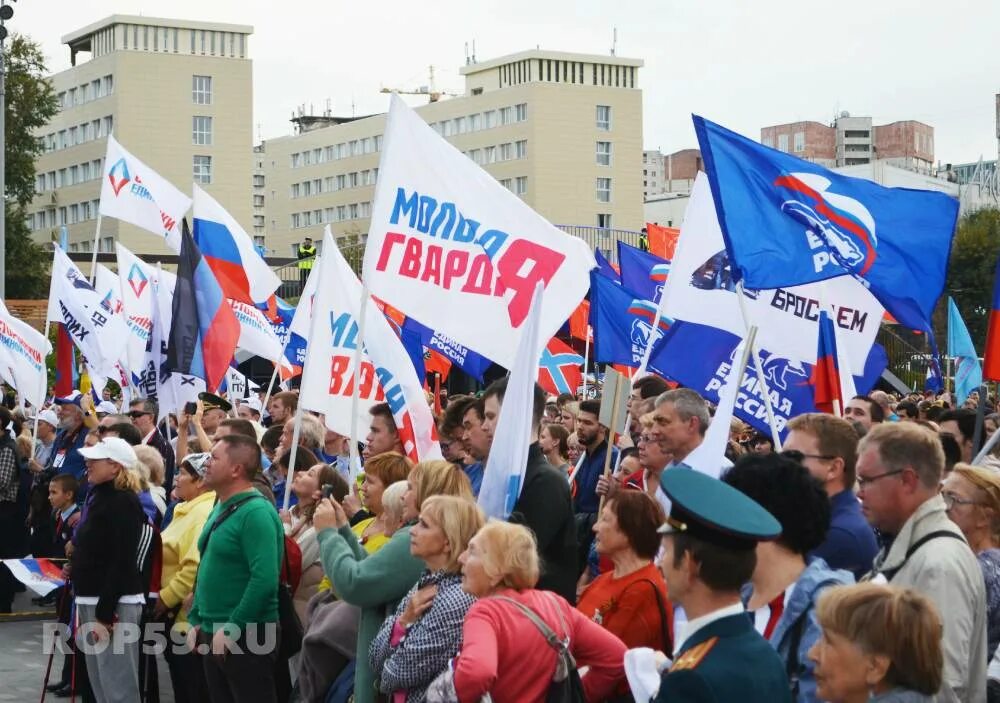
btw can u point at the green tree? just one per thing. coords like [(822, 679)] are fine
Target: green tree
[(971, 268), (30, 104)]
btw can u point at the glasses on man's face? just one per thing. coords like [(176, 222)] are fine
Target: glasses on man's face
[(867, 480), (951, 500), (134, 414), (646, 439), (796, 455)]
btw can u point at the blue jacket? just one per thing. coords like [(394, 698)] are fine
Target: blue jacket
[(811, 583), (850, 542)]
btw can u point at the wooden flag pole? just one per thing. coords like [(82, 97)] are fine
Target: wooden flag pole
[(610, 442)]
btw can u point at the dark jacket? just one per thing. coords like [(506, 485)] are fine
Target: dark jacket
[(106, 560), (545, 506)]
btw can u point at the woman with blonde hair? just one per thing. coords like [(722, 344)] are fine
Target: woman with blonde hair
[(415, 644), (879, 643), (972, 499), (504, 652), (376, 583)]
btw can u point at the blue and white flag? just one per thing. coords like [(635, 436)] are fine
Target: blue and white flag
[(469, 361), (968, 371), (504, 474), (622, 322), (642, 272), (707, 371), (788, 222)]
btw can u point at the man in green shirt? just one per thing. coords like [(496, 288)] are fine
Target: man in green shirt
[(235, 606)]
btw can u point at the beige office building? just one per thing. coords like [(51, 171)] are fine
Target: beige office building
[(178, 94), (562, 130)]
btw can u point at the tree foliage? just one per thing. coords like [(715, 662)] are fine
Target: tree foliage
[(971, 270), (30, 104)]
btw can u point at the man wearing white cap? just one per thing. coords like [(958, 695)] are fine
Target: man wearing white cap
[(249, 409), (48, 423)]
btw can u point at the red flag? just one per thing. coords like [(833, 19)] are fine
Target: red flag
[(579, 322), (435, 362), (662, 240), (65, 362), (829, 397), (991, 360), (560, 368)]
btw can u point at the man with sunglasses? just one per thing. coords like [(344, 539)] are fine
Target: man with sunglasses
[(828, 447), (899, 473), (143, 414)]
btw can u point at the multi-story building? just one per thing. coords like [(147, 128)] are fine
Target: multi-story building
[(652, 173), (854, 141), (561, 130), (176, 93)]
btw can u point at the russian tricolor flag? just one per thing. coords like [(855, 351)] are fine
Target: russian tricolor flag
[(204, 330), (991, 358), (228, 250), (826, 373)]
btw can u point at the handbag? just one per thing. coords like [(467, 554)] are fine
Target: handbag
[(566, 686)]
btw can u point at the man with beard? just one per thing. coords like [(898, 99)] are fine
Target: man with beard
[(477, 442), (594, 438)]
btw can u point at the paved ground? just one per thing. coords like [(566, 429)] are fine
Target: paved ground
[(22, 661)]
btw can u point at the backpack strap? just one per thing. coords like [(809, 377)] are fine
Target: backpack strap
[(665, 633), (890, 573)]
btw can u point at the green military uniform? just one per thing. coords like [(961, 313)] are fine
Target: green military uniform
[(726, 659)]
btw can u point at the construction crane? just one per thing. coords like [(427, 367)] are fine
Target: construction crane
[(430, 90)]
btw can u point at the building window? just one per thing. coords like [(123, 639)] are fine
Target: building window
[(366, 209), (490, 119), (296, 220), (201, 129), (201, 90), (783, 142), (800, 142), (506, 183), (475, 122), (603, 153), (521, 185), (768, 141), (341, 212), (352, 179), (354, 211), (490, 154), (258, 201), (604, 190), (202, 169), (296, 190), (506, 151), (521, 109), (258, 181), (506, 115), (604, 117), (258, 240), (604, 220)]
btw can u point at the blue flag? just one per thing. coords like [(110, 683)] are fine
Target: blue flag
[(933, 382), (605, 267), (642, 272), (787, 222), (788, 381), (469, 361), (968, 372), (622, 322)]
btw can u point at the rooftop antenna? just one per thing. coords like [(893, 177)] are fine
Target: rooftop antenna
[(614, 40), (328, 111), (473, 51), (467, 62), (259, 136), (354, 111)]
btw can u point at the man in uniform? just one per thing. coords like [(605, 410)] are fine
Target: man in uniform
[(709, 544), (306, 255)]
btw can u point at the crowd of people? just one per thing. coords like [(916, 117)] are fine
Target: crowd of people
[(861, 562)]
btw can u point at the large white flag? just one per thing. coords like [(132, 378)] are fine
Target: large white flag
[(22, 352), (701, 289), (136, 279), (135, 193), (257, 335), (504, 474), (387, 374), (109, 289), (452, 248), (76, 304)]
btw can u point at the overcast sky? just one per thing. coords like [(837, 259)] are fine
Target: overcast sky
[(743, 64)]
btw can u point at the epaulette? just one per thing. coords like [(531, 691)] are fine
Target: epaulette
[(694, 656)]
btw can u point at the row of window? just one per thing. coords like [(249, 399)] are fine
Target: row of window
[(799, 142), (481, 120), (64, 215), (94, 90), (340, 213), (517, 186), (78, 134), (206, 42), (79, 173), (556, 71), (331, 184), (509, 151), (201, 90), (355, 147)]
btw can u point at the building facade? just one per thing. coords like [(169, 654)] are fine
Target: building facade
[(178, 94), (855, 141), (561, 130)]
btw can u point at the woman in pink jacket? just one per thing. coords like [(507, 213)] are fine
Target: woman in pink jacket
[(503, 652)]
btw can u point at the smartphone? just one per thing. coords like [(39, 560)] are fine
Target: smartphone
[(327, 490), (190, 408)]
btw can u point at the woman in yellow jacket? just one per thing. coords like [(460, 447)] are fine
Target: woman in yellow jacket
[(180, 564)]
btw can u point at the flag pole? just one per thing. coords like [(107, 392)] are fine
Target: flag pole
[(356, 395), (270, 385), (586, 361), (97, 240), (775, 437), (41, 394)]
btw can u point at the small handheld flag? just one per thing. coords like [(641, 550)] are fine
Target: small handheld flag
[(968, 374), (826, 372)]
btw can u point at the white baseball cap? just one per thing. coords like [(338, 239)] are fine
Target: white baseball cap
[(106, 407), (49, 416), (114, 448)]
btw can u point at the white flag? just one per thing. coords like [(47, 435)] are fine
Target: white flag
[(709, 457), (108, 287), (135, 193), (458, 252), (136, 279), (238, 386), (700, 289), (387, 374), (257, 335), (76, 304), (504, 474), (22, 352)]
